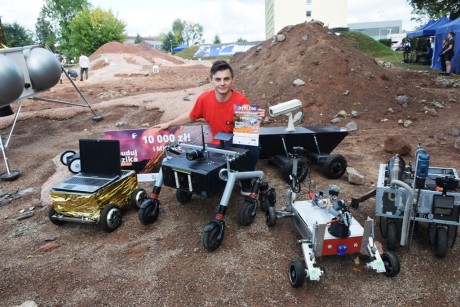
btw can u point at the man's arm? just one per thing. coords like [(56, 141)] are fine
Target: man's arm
[(181, 120)]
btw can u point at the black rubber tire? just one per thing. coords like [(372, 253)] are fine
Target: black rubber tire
[(302, 170), (270, 216), (441, 245), (65, 156), (74, 165), (391, 263), (296, 273), (110, 218), (247, 213), (183, 196), (264, 203), (383, 227), (211, 240), (451, 235), (334, 166), (137, 198), (52, 212), (392, 240), (149, 214)]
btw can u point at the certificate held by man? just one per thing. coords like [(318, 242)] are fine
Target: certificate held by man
[(247, 125)]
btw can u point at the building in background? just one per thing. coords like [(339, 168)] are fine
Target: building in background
[(282, 13), (377, 29), (155, 42)]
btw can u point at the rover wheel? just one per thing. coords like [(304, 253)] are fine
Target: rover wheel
[(302, 170), (392, 235), (296, 273), (52, 212), (247, 213), (66, 155), (334, 166), (391, 263), (270, 216), (110, 218), (213, 238), (441, 242), (183, 196), (383, 226), (75, 165), (137, 198), (149, 211)]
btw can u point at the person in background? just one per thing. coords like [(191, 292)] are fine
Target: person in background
[(442, 57), (407, 48), (217, 108), (449, 53), (61, 60), (84, 66)]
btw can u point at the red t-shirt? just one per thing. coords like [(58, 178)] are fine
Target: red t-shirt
[(219, 115)]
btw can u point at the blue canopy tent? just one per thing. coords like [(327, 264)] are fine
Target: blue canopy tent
[(441, 33), (429, 29), (412, 34), (180, 48)]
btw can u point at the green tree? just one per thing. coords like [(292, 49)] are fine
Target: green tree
[(59, 14), (436, 8), (193, 32), (168, 42), (241, 40), (93, 28), (138, 39), (44, 32), (17, 36), (216, 40), (178, 30)]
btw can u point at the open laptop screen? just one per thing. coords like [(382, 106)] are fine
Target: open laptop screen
[(100, 156)]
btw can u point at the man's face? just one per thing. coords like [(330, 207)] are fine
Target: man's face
[(222, 81)]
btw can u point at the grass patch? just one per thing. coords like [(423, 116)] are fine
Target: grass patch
[(375, 49)]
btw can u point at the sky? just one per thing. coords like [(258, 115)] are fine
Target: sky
[(230, 19)]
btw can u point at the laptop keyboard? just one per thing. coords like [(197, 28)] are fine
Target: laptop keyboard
[(88, 181)]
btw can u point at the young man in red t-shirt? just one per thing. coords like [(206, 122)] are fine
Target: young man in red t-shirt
[(217, 108)]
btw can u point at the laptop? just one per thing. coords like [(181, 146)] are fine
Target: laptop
[(100, 166)]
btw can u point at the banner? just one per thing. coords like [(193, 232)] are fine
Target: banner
[(142, 150), (216, 50)]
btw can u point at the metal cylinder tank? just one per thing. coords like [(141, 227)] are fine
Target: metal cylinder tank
[(44, 68), (11, 81)]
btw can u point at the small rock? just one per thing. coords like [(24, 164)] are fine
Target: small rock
[(336, 120), (351, 126), (346, 93), (49, 239), (25, 215), (48, 247), (186, 98), (390, 110), (354, 177), (298, 82), (354, 114), (397, 145), (342, 114), (407, 123), (455, 132), (120, 124), (305, 37), (280, 37), (457, 144), (437, 104)]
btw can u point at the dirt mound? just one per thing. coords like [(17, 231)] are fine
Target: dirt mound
[(143, 50), (336, 75)]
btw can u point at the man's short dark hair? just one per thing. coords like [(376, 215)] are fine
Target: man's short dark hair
[(219, 66), (452, 33)]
